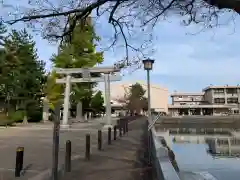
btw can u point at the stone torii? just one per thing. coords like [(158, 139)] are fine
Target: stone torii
[(110, 74)]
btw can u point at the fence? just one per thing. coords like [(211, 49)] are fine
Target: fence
[(161, 157)]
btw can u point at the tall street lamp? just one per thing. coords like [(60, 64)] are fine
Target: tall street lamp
[(148, 66), (148, 63)]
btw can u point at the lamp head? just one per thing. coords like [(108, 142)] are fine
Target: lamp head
[(148, 63)]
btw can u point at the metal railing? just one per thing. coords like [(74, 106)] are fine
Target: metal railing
[(163, 168)]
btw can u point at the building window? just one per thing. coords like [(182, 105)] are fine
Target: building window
[(219, 100), (232, 100), (236, 111), (218, 91), (232, 91), (235, 141), (198, 98), (180, 97), (222, 142)]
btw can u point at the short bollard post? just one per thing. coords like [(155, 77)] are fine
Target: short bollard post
[(120, 130), (19, 161), (115, 133), (124, 127), (21, 155), (99, 140), (68, 156), (109, 135), (87, 153)]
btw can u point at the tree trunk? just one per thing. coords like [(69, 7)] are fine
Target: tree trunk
[(25, 120), (45, 110)]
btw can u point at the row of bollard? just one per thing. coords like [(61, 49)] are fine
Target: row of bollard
[(122, 128)]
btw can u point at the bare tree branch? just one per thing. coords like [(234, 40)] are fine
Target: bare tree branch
[(162, 12), (58, 19), (81, 11)]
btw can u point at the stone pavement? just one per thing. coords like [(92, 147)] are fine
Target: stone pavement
[(119, 161)]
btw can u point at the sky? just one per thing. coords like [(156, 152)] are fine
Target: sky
[(186, 60)]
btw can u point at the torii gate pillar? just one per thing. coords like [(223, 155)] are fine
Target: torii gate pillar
[(66, 102), (107, 99)]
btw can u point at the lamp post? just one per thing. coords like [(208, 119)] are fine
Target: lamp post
[(148, 66), (148, 63)]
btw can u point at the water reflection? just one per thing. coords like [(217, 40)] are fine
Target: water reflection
[(224, 146), (194, 160)]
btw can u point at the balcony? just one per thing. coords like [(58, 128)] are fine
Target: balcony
[(231, 91), (232, 95), (218, 91), (188, 99), (232, 100), (219, 95), (219, 100)]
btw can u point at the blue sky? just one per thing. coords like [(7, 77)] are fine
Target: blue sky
[(183, 61)]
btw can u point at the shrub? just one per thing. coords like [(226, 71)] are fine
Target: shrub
[(3, 119), (17, 116), (34, 111), (3, 116), (35, 115)]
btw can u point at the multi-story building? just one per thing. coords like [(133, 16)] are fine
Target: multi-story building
[(214, 100), (159, 95)]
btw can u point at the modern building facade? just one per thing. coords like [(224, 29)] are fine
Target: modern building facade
[(159, 95), (213, 100)]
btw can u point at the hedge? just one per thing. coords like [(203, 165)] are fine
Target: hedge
[(18, 116), (5, 121)]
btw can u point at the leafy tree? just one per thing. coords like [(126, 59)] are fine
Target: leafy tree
[(52, 90), (97, 102), (78, 52), (128, 16), (145, 104), (135, 98), (22, 74)]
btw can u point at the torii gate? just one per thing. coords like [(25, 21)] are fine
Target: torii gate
[(110, 74)]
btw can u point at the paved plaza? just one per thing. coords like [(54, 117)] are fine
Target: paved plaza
[(37, 141)]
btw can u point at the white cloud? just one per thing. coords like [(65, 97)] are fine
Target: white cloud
[(182, 60), (191, 62)]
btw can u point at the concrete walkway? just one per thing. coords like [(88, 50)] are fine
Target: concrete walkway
[(118, 161)]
